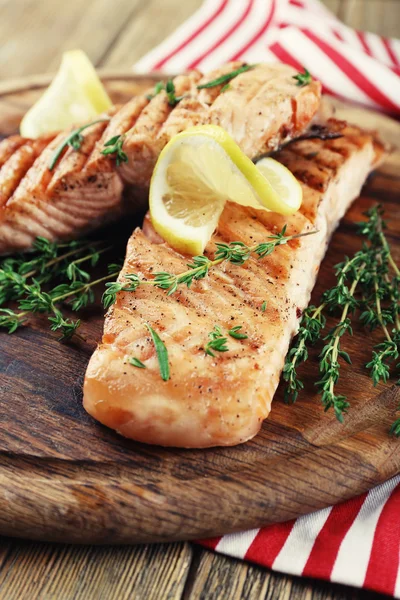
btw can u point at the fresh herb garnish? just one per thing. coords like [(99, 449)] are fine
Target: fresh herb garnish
[(135, 362), (218, 342), (235, 333), (114, 146), (169, 88), (74, 140), (157, 89), (234, 252), (395, 428), (113, 288), (368, 284), (310, 329), (162, 353), (22, 280), (303, 79), (264, 306), (225, 78)]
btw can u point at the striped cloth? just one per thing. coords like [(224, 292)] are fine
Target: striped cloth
[(357, 542), (353, 65)]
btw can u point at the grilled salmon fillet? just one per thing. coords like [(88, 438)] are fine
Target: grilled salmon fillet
[(222, 400), (261, 109)]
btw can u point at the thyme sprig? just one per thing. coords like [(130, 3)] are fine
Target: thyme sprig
[(312, 323), (368, 285), (225, 79), (303, 79), (50, 261), (74, 140), (114, 146), (38, 301), (217, 342), (329, 358), (22, 280), (234, 252), (169, 88)]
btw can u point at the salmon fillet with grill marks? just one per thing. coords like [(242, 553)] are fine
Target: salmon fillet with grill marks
[(261, 109), (223, 400), (58, 204)]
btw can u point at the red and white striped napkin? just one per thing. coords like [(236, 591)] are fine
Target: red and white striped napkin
[(357, 542), (357, 66)]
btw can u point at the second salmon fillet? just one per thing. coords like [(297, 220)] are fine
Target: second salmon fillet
[(262, 108)]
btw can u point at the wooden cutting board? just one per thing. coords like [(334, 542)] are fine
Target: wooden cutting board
[(64, 477)]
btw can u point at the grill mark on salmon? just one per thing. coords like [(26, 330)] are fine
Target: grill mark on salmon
[(17, 165), (222, 400), (62, 203), (8, 146), (264, 107), (122, 121), (143, 142)]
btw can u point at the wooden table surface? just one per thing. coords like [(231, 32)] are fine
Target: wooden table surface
[(115, 33)]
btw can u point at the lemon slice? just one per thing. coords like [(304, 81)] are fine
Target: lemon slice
[(75, 96), (198, 171)]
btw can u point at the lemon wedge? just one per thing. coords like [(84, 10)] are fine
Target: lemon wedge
[(75, 96), (198, 171)]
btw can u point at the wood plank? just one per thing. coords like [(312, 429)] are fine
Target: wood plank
[(377, 16), (147, 29), (219, 577), (44, 571), (59, 26), (332, 5)]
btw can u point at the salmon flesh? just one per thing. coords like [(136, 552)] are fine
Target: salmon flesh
[(222, 400)]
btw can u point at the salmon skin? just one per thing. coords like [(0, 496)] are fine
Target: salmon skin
[(262, 108), (222, 400)]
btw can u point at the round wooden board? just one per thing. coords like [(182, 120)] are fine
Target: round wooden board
[(64, 477)]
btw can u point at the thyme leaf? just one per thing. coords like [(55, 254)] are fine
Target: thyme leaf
[(74, 140), (303, 79), (135, 362), (224, 79), (162, 353), (114, 146), (217, 342), (235, 333)]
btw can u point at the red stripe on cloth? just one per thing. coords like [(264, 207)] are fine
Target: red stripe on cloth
[(326, 546), (337, 34), (259, 33), (363, 41), (297, 3), (268, 543), (198, 31), (390, 52), (227, 34), (383, 563), (211, 543), (284, 56), (357, 77)]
